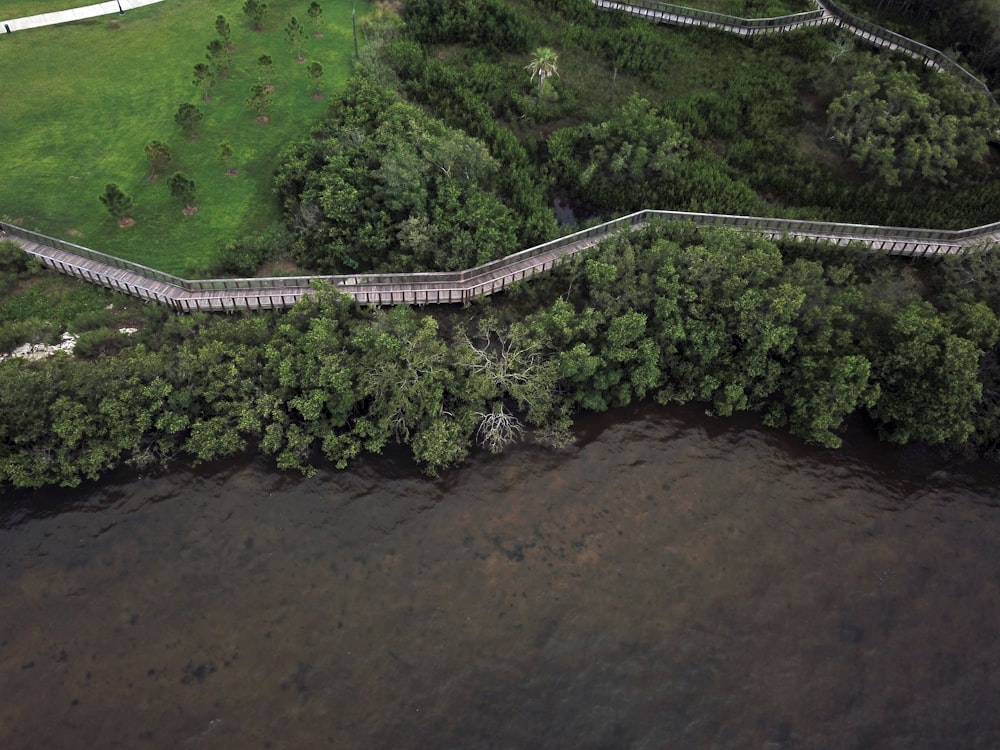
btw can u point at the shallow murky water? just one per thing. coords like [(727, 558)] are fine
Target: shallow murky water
[(669, 583)]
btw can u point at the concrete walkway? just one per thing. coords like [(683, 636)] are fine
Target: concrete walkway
[(73, 14)]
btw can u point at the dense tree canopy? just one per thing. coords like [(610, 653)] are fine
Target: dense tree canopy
[(642, 159), (489, 24), (669, 312), (894, 128), (385, 187)]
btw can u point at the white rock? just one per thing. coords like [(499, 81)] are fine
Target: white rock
[(41, 351)]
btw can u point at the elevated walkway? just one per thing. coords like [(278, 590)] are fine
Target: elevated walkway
[(678, 15), (827, 12), (454, 287)]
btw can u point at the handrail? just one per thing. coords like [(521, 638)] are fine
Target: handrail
[(456, 286), (919, 49), (827, 12), (86, 252), (706, 17), (833, 228)]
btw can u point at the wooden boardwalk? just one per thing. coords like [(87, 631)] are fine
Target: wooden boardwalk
[(676, 15), (827, 12), (460, 286), (490, 278)]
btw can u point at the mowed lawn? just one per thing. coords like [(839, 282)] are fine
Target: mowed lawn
[(80, 102), (22, 8)]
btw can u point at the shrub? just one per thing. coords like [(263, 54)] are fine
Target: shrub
[(13, 259), (88, 320), (33, 330), (100, 342), (243, 256)]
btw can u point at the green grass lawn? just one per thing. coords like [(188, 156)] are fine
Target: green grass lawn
[(22, 8), (81, 101)]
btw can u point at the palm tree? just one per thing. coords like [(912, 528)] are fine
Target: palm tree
[(543, 65)]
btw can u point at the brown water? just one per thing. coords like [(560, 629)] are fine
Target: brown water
[(670, 582)]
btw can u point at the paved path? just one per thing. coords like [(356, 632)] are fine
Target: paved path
[(73, 14)]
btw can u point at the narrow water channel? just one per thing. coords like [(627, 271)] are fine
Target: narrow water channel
[(669, 582)]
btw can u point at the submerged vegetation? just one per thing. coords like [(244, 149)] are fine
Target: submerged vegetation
[(444, 151)]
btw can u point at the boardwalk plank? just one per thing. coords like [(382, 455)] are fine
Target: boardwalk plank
[(450, 287)]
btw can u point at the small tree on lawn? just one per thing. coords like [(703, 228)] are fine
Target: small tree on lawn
[(296, 36), (259, 100), (224, 30), (265, 71), (119, 205), (182, 187), (315, 71), (316, 14), (256, 11), (188, 117), (226, 156), (218, 58), (158, 155), (204, 78)]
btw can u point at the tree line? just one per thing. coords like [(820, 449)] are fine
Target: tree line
[(383, 186), (429, 161), (804, 335)]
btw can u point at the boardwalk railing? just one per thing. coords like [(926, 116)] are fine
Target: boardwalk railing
[(86, 252), (827, 12), (883, 37), (461, 286), (680, 15), (907, 241)]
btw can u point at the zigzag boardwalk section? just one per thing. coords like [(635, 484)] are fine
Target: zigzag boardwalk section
[(461, 286), (888, 39), (826, 12), (283, 292), (678, 15)]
